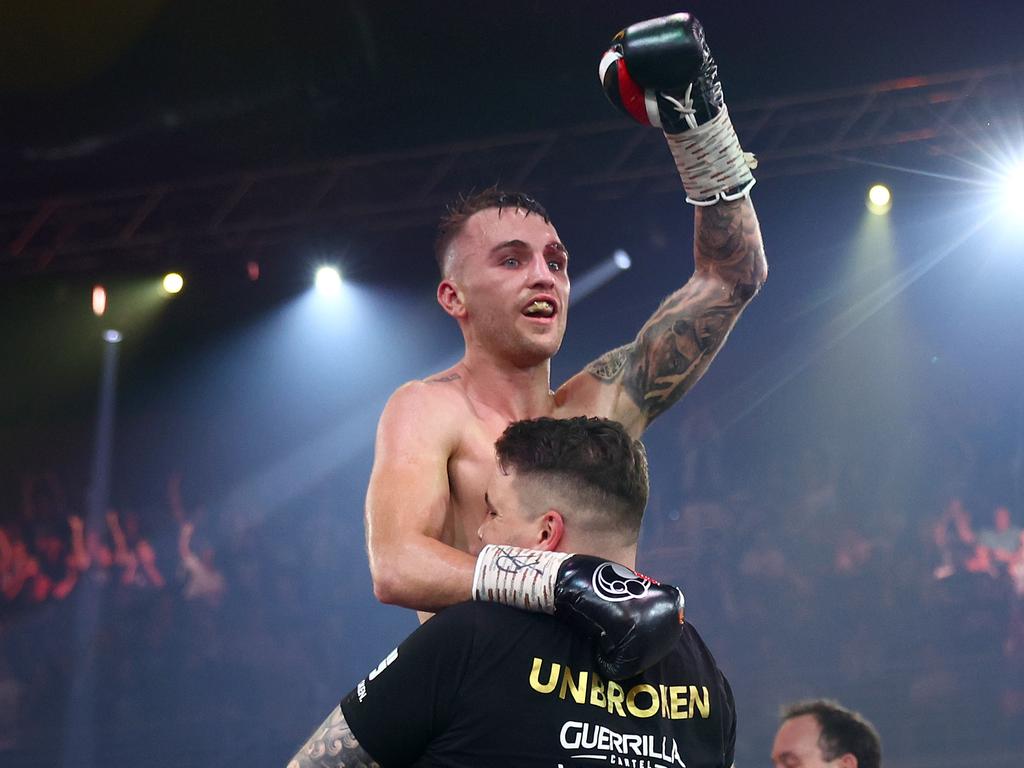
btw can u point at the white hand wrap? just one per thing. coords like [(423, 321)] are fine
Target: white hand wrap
[(711, 162), (523, 578)]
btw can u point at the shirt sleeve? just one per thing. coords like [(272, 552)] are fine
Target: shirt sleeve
[(408, 699), (729, 724)]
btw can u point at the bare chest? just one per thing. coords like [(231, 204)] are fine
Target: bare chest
[(469, 470), (473, 462)]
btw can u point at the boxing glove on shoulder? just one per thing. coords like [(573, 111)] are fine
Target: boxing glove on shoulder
[(633, 620)]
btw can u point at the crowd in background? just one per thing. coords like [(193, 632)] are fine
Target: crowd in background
[(226, 628), (48, 549), (202, 625)]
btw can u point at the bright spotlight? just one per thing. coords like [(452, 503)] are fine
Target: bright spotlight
[(99, 300), (879, 199), (621, 259), (111, 336), (173, 282), (328, 281), (1013, 191)]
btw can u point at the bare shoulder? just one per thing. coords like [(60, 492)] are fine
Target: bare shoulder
[(429, 407)]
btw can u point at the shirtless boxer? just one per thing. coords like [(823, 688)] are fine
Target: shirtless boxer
[(504, 280)]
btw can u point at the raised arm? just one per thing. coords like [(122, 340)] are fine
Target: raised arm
[(642, 379), (408, 504), (671, 82)]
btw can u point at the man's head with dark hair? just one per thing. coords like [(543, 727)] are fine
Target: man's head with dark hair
[(575, 484), (821, 732), (504, 277), (458, 213)]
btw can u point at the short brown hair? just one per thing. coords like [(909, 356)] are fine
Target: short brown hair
[(464, 206), (843, 731), (594, 461)]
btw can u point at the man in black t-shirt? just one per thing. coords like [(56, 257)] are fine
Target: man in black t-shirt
[(484, 685)]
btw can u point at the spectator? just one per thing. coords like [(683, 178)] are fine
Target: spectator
[(817, 733), (202, 579), (1003, 539)]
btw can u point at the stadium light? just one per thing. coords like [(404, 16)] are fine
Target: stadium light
[(1013, 191), (173, 283), (99, 300), (879, 199), (328, 281)]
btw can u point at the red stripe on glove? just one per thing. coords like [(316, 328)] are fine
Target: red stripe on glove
[(631, 94)]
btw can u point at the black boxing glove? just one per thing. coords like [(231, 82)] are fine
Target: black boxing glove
[(660, 72), (633, 620)]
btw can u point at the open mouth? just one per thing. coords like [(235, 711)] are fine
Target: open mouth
[(540, 308)]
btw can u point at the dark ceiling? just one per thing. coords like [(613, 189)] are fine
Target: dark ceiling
[(148, 90)]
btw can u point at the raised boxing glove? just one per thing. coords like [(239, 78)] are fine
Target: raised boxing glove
[(660, 72), (633, 620)]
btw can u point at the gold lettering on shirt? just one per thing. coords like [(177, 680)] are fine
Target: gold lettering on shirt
[(578, 691), (634, 706), (644, 700), (552, 682), (703, 704), (615, 698)]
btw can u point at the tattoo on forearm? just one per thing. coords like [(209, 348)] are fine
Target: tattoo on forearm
[(332, 745), (728, 242), (677, 344)]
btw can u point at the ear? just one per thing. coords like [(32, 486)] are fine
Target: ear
[(551, 532), (849, 760), (450, 298)]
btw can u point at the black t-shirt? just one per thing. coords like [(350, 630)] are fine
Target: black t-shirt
[(483, 685)]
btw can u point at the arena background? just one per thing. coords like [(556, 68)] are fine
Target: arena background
[(822, 495)]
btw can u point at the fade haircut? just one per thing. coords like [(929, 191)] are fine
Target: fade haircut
[(458, 212), (842, 731), (593, 462)]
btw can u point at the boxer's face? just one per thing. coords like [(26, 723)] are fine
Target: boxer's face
[(510, 518), (511, 272), (796, 745)]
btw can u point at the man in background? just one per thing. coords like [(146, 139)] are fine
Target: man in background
[(820, 733)]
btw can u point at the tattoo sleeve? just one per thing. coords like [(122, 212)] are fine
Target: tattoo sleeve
[(679, 341), (332, 745)]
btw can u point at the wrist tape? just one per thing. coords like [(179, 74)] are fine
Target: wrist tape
[(711, 162), (522, 578)]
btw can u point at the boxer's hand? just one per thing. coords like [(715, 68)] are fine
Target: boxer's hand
[(660, 72), (634, 620)]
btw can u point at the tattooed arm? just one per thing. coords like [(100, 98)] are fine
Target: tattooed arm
[(332, 745), (640, 380)]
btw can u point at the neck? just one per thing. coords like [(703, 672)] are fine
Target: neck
[(516, 392), (625, 555)]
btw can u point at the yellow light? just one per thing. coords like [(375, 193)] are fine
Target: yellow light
[(879, 199), (99, 300), (173, 282)]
